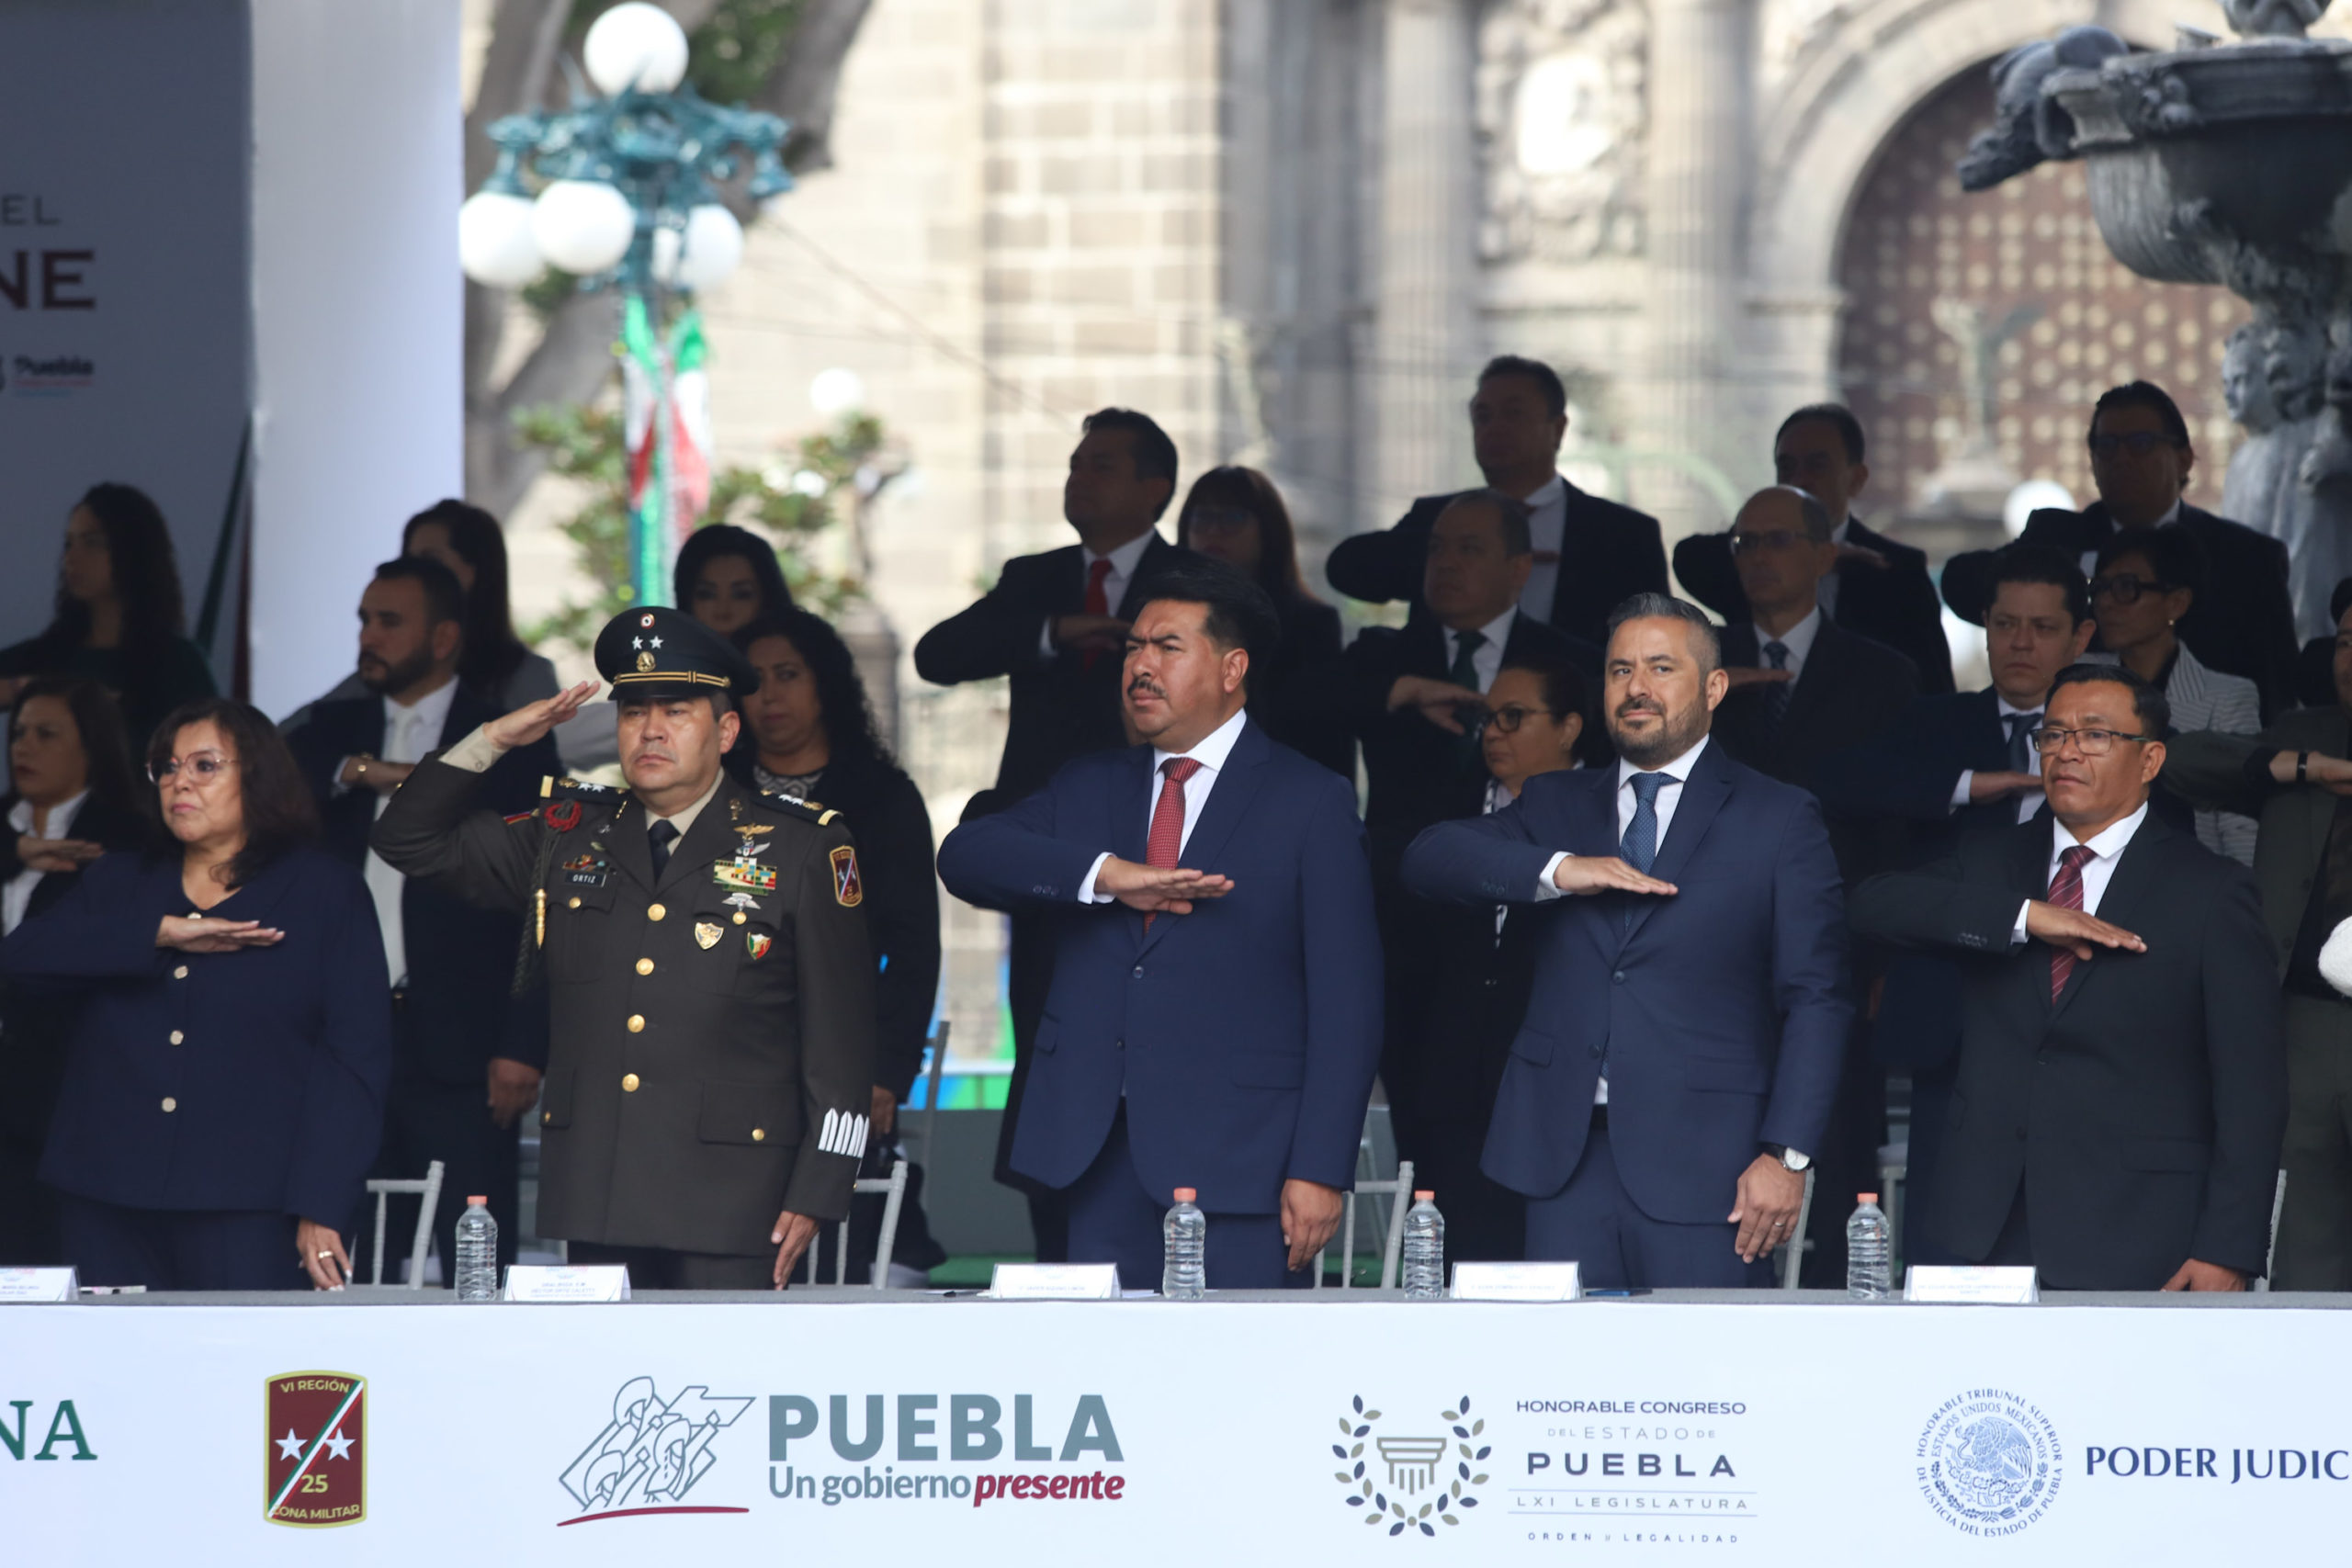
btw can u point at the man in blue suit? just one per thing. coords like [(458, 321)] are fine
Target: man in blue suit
[(1214, 1016), (1681, 1051)]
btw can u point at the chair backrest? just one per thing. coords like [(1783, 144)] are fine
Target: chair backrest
[(937, 1050), (1792, 1250), (895, 1187), (2270, 1256), (1398, 1191), (429, 1189)]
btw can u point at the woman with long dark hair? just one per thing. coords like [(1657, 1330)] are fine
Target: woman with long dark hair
[(810, 733), (1235, 515), (119, 619), (74, 798), (729, 576), (495, 662), (224, 1091)]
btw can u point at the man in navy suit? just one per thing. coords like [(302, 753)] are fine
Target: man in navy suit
[(467, 1053), (1681, 1051), (1215, 1015)]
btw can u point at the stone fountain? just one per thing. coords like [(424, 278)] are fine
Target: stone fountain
[(2229, 163)]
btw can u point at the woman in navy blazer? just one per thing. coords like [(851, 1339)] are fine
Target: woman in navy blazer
[(224, 1091)]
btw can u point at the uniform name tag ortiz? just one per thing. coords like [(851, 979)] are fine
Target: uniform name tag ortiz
[(748, 875)]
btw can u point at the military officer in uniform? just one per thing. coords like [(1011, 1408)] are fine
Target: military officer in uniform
[(712, 1055)]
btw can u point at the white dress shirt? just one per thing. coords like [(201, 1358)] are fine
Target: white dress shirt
[(1211, 753), (1488, 658), (1825, 595), (17, 894), (2098, 872), (1798, 640), (2030, 801), (1114, 583), (1547, 527), (408, 734)]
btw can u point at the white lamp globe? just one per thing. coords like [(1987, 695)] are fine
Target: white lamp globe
[(836, 391), (636, 45), (713, 247), (495, 241), (582, 226)]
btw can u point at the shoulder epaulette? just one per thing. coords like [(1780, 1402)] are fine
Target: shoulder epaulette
[(568, 788), (808, 810)]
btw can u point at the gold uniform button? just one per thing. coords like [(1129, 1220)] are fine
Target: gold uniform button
[(574, 903), (170, 1105), (629, 1084), (655, 911), (759, 1135), (637, 1023), (180, 973), (177, 1037), (739, 917), (546, 1117), (645, 966)]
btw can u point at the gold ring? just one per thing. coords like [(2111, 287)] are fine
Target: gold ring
[(326, 1255)]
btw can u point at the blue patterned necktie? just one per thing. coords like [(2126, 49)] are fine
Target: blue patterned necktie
[(1776, 695), (1640, 844), (2021, 728)]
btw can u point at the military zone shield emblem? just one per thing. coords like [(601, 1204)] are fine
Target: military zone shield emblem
[(315, 1457)]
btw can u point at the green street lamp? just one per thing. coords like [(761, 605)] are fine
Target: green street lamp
[(620, 189)]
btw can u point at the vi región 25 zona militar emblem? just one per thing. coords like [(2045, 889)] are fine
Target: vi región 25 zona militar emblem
[(314, 1465), (1411, 1479)]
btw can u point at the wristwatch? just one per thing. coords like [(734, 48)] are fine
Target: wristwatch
[(1789, 1159)]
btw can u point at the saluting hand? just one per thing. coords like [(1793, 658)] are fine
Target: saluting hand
[(1441, 702), (193, 933), (2000, 785), (792, 1236), (2080, 934), (1602, 874), (531, 720), (56, 854), (1159, 889), (1746, 675)]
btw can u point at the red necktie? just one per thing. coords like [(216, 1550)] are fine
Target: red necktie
[(2066, 893), (1098, 603), (1168, 817)]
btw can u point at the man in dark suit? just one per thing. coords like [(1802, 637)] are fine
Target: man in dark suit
[(1680, 1055), (2122, 1081), (1589, 553), (2140, 460), (467, 1053), (1879, 590), (1055, 623), (1946, 766), (1215, 1010), (1803, 689)]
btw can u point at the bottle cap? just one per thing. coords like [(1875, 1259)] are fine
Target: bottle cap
[(1187, 1194), (1424, 1197), (1865, 1197), (483, 1201)]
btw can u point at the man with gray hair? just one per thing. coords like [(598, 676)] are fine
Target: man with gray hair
[(1679, 1055)]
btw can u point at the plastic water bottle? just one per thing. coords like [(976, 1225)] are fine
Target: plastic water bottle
[(476, 1253), (1183, 1274), (1424, 1250), (1870, 1251)]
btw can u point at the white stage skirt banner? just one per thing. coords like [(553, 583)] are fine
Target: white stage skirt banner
[(1158, 1433)]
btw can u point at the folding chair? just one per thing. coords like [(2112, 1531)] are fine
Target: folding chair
[(430, 1191), (895, 1185), (936, 1049), (2270, 1257), (1792, 1250), (1894, 1175), (1399, 1191)]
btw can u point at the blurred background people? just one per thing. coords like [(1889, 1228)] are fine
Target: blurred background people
[(494, 660), (74, 797), (1236, 515), (224, 1091), (119, 619), (810, 735), (728, 577), (466, 1053)]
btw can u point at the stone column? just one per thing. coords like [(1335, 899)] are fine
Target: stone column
[(1425, 336), (1696, 163)]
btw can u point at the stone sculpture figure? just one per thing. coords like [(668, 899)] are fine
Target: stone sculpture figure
[(2303, 517), (2250, 493), (2028, 128), (2273, 18)]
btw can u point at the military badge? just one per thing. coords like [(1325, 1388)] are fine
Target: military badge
[(849, 890), (744, 876), (740, 902), (759, 943), (315, 1463), (706, 934), (563, 816), (644, 662), (646, 620)]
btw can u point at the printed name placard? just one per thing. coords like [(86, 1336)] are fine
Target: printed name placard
[(1055, 1282), (39, 1285), (1516, 1282), (1970, 1286), (547, 1283)]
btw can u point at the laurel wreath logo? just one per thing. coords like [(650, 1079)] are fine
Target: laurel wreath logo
[(1412, 1464)]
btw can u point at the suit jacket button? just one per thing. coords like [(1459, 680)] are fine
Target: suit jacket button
[(655, 911), (629, 1083), (637, 1023), (177, 1037), (170, 1105), (1138, 975), (1619, 977), (180, 973)]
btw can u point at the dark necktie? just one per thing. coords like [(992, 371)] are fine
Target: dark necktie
[(1465, 672), (2066, 893), (1640, 844), (1167, 838), (2021, 728), (1776, 693), (1098, 603), (658, 839)]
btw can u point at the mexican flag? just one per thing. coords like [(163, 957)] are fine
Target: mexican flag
[(667, 488)]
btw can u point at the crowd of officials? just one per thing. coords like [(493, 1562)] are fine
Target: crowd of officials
[(1642, 918)]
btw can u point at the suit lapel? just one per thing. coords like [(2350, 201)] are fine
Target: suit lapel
[(1235, 786), (1703, 794), (1153, 560)]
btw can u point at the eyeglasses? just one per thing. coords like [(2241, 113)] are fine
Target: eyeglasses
[(1510, 715), (204, 765), (2139, 443), (2125, 588), (1773, 539), (2090, 742)]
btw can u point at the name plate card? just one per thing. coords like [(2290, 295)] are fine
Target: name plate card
[(39, 1285), (1970, 1286), (540, 1282), (1055, 1282), (1515, 1283)]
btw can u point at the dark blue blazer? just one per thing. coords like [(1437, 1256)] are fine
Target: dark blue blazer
[(274, 1060), (1723, 1009), (1245, 1034)]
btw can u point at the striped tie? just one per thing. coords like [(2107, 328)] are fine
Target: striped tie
[(2066, 893)]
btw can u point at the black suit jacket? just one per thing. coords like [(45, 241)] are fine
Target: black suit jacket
[(1062, 706), (1895, 605), (2142, 1110), (460, 1010), (1608, 553), (2243, 623), (1288, 698)]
